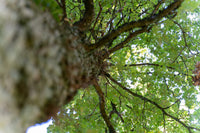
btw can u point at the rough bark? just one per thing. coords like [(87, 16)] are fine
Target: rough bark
[(41, 65)]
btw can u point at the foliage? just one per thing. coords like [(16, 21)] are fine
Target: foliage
[(157, 65)]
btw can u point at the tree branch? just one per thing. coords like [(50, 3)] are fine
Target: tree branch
[(152, 102), (136, 24), (62, 4), (157, 7), (164, 123), (114, 110), (185, 41), (102, 106), (58, 3), (88, 16), (116, 89), (172, 104), (122, 44), (64, 9), (150, 64)]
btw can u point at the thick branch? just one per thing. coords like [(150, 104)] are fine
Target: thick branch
[(131, 35), (102, 106), (136, 24), (152, 102), (88, 16)]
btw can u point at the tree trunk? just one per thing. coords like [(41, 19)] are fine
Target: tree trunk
[(42, 65)]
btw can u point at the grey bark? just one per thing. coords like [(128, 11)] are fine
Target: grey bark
[(42, 65)]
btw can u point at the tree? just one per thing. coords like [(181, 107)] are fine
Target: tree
[(135, 60)]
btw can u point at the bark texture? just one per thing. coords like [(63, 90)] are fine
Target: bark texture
[(41, 65)]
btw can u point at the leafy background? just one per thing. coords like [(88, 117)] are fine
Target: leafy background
[(162, 67)]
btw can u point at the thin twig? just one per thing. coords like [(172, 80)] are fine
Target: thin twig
[(157, 7), (59, 3), (184, 38)]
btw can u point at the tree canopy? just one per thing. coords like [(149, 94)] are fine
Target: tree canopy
[(149, 50)]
